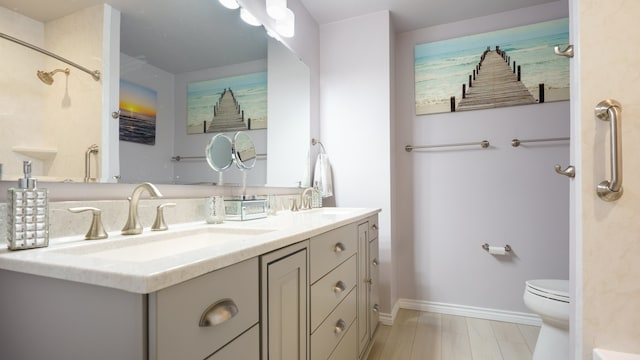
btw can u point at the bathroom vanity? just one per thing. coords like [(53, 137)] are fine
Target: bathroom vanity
[(296, 286)]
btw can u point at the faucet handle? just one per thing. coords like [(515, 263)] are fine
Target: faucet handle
[(159, 224), (96, 231)]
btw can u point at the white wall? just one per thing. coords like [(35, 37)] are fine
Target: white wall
[(450, 201), (355, 120), (156, 158)]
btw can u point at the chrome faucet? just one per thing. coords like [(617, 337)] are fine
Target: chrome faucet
[(133, 226), (305, 199)]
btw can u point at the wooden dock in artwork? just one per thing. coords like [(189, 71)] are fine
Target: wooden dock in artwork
[(494, 84), (227, 115)]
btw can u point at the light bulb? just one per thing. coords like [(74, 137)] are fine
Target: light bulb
[(248, 17), (230, 4), (287, 26), (277, 9)]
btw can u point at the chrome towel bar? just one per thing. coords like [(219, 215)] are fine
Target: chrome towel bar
[(518, 142), (180, 158), (484, 144)]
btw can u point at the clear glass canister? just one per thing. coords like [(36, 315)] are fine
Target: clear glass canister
[(214, 210)]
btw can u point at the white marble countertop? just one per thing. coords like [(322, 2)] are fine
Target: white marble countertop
[(130, 269)]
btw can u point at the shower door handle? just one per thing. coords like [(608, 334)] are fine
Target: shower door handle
[(610, 110)]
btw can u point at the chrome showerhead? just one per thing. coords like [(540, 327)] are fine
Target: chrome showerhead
[(47, 77)]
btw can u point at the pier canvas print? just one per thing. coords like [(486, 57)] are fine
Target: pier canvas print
[(229, 104), (508, 67), (138, 106)]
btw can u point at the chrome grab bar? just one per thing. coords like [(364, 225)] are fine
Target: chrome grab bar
[(610, 110)]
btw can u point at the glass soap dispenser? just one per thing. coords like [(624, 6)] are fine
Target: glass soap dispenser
[(28, 213)]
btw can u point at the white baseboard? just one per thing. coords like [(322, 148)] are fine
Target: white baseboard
[(460, 310)]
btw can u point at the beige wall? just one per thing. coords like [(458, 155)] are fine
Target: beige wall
[(73, 104), (608, 266), (64, 117), (21, 106)]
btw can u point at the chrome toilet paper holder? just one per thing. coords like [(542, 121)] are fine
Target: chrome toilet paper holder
[(507, 247)]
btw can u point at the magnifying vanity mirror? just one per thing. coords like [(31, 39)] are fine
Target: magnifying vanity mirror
[(162, 46), (244, 151), (219, 153)]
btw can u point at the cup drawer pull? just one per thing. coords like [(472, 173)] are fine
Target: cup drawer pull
[(340, 327), (338, 248), (339, 287), (219, 313)]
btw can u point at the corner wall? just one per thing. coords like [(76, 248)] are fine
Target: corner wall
[(451, 201), (355, 121)]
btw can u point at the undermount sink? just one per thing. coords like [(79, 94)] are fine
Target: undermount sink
[(333, 210), (156, 245)]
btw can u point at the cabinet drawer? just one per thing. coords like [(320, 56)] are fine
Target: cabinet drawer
[(348, 347), (175, 313), (246, 347), (327, 292), (334, 328), (330, 249), (373, 227)]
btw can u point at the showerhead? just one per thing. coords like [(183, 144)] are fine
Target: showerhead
[(47, 77)]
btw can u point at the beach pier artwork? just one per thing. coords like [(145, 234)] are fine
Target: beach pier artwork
[(495, 85), (228, 104), (227, 115), (519, 68)]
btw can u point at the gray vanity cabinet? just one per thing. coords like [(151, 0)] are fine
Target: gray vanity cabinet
[(285, 303), (47, 318), (368, 298), (201, 316)]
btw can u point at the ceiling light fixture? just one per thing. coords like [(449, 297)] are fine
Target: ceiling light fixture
[(230, 4), (287, 26), (248, 17), (277, 9)]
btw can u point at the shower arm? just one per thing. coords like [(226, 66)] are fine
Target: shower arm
[(94, 74)]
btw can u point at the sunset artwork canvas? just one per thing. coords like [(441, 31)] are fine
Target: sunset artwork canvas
[(138, 106)]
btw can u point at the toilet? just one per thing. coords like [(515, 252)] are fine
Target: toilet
[(550, 300)]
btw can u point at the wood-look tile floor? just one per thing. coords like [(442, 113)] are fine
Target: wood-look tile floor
[(430, 336)]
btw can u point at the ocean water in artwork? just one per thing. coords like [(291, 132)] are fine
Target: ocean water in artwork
[(250, 91), (442, 67), (137, 113)]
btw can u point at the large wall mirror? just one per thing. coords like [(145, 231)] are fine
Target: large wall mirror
[(159, 45)]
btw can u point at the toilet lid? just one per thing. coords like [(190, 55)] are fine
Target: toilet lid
[(551, 289)]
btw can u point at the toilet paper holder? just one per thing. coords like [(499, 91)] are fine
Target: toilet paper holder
[(507, 247)]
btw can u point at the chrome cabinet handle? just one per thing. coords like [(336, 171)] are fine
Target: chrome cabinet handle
[(568, 52), (338, 248), (376, 308), (610, 110), (339, 287), (374, 262), (374, 227), (340, 326), (218, 313), (570, 171)]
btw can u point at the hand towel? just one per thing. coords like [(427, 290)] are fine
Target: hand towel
[(322, 175)]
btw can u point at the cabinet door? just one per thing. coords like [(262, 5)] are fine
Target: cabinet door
[(363, 286), (284, 303), (374, 298)]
